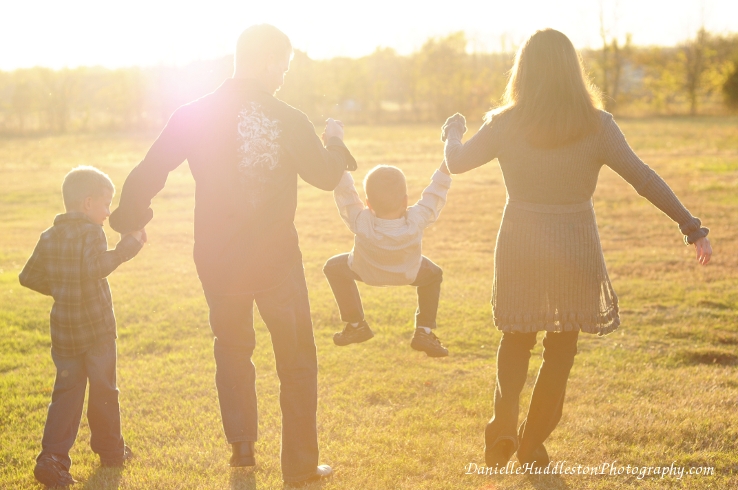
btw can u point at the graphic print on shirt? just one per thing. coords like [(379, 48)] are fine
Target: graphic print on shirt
[(258, 150)]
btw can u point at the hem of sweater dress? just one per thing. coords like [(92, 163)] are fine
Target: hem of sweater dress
[(602, 324), (598, 329)]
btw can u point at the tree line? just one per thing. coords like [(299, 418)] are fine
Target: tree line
[(698, 76)]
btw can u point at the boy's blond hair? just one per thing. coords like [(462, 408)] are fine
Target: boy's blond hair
[(385, 188), (83, 182)]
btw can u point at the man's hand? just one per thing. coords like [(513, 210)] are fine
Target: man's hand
[(704, 250), (444, 168), (333, 128)]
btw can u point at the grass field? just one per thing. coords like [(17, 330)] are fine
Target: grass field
[(662, 389)]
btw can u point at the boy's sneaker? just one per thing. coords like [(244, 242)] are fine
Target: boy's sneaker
[(353, 335), (118, 462), (52, 473), (428, 343)]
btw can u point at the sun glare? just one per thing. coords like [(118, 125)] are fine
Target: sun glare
[(85, 32)]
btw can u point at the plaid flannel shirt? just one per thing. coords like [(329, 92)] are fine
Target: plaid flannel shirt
[(70, 263)]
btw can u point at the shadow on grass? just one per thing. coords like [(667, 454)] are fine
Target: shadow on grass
[(307, 486), (547, 482), (707, 356), (243, 479), (104, 479)]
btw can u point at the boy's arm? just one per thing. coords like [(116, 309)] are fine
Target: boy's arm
[(33, 276), (348, 201), (425, 212), (99, 262), (148, 177)]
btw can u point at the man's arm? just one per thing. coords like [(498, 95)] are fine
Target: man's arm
[(318, 165), (98, 261), (149, 176), (33, 276)]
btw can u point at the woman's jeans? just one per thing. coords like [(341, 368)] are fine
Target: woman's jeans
[(547, 401)]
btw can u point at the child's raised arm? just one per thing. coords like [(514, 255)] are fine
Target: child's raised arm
[(348, 201), (425, 212)]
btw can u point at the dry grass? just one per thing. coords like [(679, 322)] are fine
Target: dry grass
[(662, 389)]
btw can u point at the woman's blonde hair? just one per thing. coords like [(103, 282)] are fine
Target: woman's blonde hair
[(548, 95)]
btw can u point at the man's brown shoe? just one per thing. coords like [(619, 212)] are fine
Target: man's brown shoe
[(243, 454), (51, 472), (118, 462)]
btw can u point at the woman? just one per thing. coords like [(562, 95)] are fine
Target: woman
[(551, 140)]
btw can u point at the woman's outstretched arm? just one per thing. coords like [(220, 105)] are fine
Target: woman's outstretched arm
[(619, 156), (462, 157)]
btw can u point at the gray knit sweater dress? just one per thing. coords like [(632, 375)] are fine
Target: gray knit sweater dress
[(550, 273)]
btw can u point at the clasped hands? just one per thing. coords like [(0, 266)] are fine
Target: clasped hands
[(139, 235), (333, 128)]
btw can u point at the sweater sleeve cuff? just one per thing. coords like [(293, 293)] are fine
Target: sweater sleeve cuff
[(128, 247), (696, 235), (453, 132), (123, 220), (335, 142), (693, 231), (441, 178)]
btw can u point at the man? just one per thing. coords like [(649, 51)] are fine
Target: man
[(245, 149)]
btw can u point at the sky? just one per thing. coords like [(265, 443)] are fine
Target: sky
[(74, 33)]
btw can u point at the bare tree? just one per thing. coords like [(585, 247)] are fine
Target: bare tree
[(696, 54), (611, 61)]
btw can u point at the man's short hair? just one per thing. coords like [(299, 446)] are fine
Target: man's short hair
[(83, 182), (385, 188), (260, 44)]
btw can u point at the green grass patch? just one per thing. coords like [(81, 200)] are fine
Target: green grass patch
[(661, 390)]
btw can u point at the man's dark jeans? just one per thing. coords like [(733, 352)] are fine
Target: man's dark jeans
[(286, 312), (547, 400), (103, 412), (343, 283)]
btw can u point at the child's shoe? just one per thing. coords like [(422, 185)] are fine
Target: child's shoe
[(353, 335), (428, 343), (118, 462), (52, 473)]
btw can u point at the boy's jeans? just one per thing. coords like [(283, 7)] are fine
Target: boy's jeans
[(67, 399), (286, 312), (547, 400), (343, 283)]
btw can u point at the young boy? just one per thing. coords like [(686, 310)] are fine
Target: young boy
[(70, 263), (387, 251)]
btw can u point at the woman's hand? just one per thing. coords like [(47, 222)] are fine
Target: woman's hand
[(455, 123), (704, 250)]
